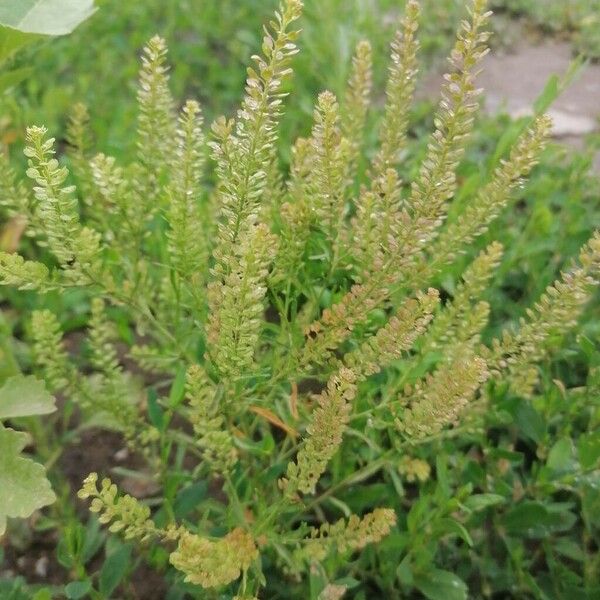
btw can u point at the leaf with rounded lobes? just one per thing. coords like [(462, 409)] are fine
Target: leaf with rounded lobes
[(45, 17), (23, 484), (22, 396), (25, 21)]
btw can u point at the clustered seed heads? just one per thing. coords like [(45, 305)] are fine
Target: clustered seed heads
[(241, 293)]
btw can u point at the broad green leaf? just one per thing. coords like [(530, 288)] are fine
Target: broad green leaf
[(404, 572), (569, 548), (561, 456), (536, 520), (530, 422), (23, 484), (348, 582), (588, 447), (526, 517), (46, 17), (113, 570), (22, 396), (93, 539), (77, 589), (441, 585), (482, 501)]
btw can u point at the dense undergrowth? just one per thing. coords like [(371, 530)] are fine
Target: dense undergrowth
[(211, 42), (325, 378)]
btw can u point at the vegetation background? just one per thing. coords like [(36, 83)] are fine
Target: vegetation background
[(535, 534)]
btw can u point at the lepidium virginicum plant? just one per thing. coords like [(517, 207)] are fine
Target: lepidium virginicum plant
[(250, 303)]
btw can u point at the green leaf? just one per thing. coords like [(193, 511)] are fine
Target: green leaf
[(77, 589), (404, 572), (441, 471), (588, 448), (452, 527), (114, 569), (24, 396), (482, 501), (155, 412), (536, 520), (177, 392), (557, 85), (530, 422), (548, 95), (46, 17), (262, 448), (23, 484), (441, 585), (569, 548), (525, 516), (11, 78), (92, 540), (189, 498), (417, 514), (588, 347), (348, 582), (561, 456), (12, 40)]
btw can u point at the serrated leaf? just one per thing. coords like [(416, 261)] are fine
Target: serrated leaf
[(23, 484), (46, 17), (24, 396)]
